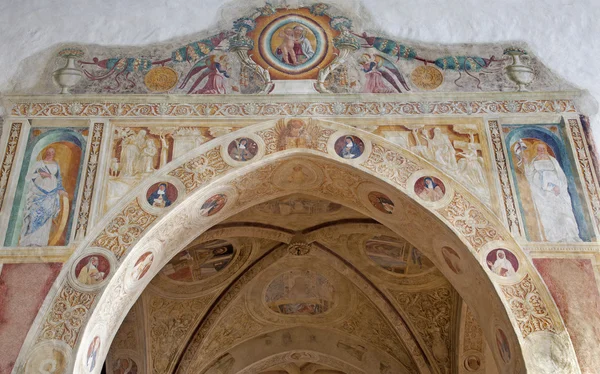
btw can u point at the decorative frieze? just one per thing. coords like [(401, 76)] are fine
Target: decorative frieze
[(279, 109), (9, 157)]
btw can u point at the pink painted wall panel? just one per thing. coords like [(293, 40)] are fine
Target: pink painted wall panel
[(573, 285), (23, 288)]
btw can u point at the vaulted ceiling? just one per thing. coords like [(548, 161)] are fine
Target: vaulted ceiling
[(343, 295)]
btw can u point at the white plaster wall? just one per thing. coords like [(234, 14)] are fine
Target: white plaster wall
[(562, 33)]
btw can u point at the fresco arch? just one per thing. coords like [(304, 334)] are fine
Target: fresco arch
[(524, 310)]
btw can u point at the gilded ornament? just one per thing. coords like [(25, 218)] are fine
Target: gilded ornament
[(427, 77), (161, 79)]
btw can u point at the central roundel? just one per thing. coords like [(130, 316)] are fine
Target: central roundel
[(293, 44)]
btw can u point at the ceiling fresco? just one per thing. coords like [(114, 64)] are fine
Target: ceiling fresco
[(291, 317)]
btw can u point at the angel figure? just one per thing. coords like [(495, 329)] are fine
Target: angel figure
[(295, 134), (377, 68)]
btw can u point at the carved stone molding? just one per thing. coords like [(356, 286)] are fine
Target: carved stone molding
[(170, 322), (9, 157), (528, 307), (277, 109), (470, 222), (431, 313), (390, 165), (124, 229), (201, 169), (510, 207), (585, 163), (67, 315), (90, 180)]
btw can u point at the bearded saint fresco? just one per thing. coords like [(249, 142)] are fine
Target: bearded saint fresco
[(549, 189), (545, 193)]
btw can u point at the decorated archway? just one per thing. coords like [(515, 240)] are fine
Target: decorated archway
[(396, 206), (220, 178)]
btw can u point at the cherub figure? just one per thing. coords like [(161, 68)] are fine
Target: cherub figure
[(287, 46)]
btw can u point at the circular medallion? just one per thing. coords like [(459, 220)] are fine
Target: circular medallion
[(429, 189), (502, 262), (49, 356), (91, 358), (503, 346), (161, 79), (293, 44), (452, 259), (92, 269), (142, 265), (161, 195), (381, 202), (427, 77), (242, 149), (472, 363), (213, 205), (349, 147)]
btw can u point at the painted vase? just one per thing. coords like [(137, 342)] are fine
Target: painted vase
[(519, 72), (69, 75)]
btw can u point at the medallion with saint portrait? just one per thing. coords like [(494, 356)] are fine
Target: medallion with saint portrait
[(92, 269), (429, 189), (161, 195), (242, 149), (349, 147), (502, 262), (142, 265)]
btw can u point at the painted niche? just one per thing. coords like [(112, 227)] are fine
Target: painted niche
[(396, 255), (199, 262), (546, 186), (44, 208), (300, 292)]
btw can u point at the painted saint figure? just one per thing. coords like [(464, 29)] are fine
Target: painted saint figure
[(43, 201), (147, 157), (92, 353), (440, 149), (142, 265), (549, 189), (242, 149), (350, 149), (502, 266), (159, 197), (131, 147), (90, 274), (431, 191)]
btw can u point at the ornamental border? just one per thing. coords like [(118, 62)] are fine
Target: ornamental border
[(255, 108)]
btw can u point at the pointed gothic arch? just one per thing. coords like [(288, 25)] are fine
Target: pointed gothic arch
[(525, 312)]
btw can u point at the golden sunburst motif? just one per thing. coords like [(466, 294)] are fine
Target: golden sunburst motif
[(161, 79), (427, 77)]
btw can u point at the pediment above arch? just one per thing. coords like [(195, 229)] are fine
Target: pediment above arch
[(273, 47)]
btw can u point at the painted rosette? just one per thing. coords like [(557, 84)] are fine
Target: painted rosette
[(269, 40)]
